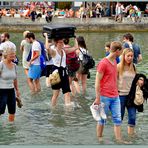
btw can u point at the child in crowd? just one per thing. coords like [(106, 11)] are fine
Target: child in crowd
[(107, 51)]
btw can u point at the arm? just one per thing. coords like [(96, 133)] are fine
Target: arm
[(139, 58), (99, 76), (118, 67), (72, 49), (16, 87), (35, 56), (47, 46), (22, 48)]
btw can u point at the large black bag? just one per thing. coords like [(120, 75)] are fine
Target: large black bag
[(59, 31)]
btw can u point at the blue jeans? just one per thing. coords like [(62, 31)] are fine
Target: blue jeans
[(112, 105), (131, 111)]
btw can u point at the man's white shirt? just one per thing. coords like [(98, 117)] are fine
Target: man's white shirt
[(7, 44)]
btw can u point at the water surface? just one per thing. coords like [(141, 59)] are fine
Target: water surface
[(37, 123)]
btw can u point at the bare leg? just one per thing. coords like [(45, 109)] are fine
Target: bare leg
[(130, 130), (84, 83), (31, 85), (99, 130), (78, 76), (11, 117), (37, 85), (77, 86), (117, 131), (67, 98), (26, 71), (47, 82), (72, 87), (54, 97)]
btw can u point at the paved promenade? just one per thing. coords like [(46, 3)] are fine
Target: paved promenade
[(91, 24)]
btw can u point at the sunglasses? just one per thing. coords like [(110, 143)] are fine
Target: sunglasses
[(141, 79)]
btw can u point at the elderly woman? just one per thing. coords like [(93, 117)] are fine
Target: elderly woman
[(8, 83)]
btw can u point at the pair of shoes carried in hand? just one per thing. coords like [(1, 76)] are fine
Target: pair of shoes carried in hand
[(98, 112)]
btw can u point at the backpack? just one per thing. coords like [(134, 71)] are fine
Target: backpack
[(43, 57), (88, 61), (72, 62)]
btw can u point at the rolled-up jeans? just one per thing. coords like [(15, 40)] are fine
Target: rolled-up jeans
[(112, 105), (131, 111)]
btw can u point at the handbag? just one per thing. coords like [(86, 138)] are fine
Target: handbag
[(139, 100), (54, 78)]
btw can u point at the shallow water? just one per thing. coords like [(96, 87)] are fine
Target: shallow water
[(37, 123)]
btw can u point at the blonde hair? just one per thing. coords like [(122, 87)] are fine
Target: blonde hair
[(8, 50), (25, 33), (122, 62)]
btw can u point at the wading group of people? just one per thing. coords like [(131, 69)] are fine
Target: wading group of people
[(117, 85)]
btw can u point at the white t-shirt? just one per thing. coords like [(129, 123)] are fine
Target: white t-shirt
[(7, 44), (27, 47), (36, 47), (82, 51)]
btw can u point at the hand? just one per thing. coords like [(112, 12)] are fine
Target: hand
[(97, 101), (45, 34), (17, 93), (30, 62)]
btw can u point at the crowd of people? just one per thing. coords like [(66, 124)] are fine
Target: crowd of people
[(84, 11), (115, 97), (130, 11)]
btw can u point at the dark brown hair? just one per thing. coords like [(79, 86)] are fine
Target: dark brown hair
[(81, 42)]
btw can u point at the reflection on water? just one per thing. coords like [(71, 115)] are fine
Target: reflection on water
[(37, 123)]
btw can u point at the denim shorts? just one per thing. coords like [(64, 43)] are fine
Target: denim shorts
[(131, 111), (34, 72), (7, 97), (112, 105)]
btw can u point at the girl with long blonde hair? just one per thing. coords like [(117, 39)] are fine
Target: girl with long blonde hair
[(126, 74)]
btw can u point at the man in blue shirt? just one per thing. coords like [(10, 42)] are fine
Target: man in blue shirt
[(128, 40)]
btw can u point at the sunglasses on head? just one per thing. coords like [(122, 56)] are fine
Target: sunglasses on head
[(142, 79)]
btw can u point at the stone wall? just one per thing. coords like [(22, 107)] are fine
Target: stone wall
[(92, 24)]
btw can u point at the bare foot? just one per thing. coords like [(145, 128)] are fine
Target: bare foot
[(100, 139), (121, 141)]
